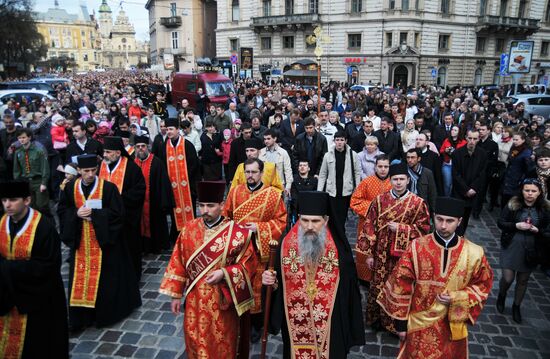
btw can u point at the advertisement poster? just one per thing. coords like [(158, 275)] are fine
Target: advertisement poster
[(521, 53), (168, 61), (246, 58)]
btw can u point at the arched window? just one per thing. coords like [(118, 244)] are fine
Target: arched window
[(442, 77), (496, 77), (477, 77)]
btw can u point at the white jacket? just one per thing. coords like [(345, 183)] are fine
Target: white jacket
[(327, 174)]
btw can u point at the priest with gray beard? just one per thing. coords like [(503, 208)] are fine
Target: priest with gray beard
[(316, 300)]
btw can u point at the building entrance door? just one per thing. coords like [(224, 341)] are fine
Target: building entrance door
[(400, 76)]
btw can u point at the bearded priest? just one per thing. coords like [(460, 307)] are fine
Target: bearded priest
[(316, 302)]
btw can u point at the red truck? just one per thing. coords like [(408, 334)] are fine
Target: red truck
[(216, 87)]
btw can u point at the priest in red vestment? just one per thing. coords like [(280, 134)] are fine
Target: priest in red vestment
[(118, 168), (393, 221), (182, 163), (361, 199), (316, 300), (261, 209), (438, 287), (33, 312), (159, 198), (210, 267)]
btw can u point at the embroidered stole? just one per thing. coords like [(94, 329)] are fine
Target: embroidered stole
[(396, 213), (309, 302), (177, 172), (145, 219), (254, 210), (88, 256), (116, 176), (227, 245), (14, 325)]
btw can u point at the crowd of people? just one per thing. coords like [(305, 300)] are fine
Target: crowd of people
[(266, 180)]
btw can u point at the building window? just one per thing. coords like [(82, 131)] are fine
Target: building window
[(235, 10), (83, 43), (478, 76), (402, 38), (85, 57), (405, 5), (544, 48), (417, 5), (442, 76), (482, 7), (522, 9), (288, 42), (289, 7), (480, 44), (354, 41), (547, 13), (313, 6), (266, 6), (503, 7), (444, 42), (445, 7), (499, 46), (417, 40), (392, 4), (389, 37), (173, 10), (356, 6), (175, 39), (265, 43), (234, 45)]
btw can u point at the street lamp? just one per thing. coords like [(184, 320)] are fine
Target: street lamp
[(318, 39)]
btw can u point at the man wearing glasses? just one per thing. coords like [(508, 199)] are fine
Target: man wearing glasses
[(260, 208)]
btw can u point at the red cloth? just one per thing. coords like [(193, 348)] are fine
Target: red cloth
[(136, 111), (446, 144), (226, 149), (59, 134)]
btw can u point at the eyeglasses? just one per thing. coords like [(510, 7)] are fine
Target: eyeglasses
[(531, 181)]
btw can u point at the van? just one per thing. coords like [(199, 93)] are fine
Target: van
[(216, 87)]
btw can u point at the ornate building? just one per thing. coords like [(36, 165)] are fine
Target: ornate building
[(120, 49), (405, 42), (70, 36)]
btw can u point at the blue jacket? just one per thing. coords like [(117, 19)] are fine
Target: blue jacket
[(515, 173)]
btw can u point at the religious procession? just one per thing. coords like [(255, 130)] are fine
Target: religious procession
[(281, 223)]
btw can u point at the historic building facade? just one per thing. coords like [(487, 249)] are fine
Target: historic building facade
[(390, 41), (119, 47), (181, 32), (70, 36)]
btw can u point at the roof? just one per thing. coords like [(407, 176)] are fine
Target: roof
[(104, 7), (56, 15)]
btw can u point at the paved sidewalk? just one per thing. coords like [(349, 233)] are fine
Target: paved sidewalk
[(153, 332)]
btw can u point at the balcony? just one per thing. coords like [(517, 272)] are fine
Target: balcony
[(171, 22), (278, 23), (181, 51), (507, 25)]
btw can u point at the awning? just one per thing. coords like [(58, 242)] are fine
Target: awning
[(303, 73)]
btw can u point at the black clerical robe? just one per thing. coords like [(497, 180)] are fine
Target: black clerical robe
[(342, 311), (133, 196), (32, 287), (118, 291), (159, 201)]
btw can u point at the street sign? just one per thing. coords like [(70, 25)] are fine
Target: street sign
[(234, 69), (504, 64), (350, 70), (234, 59), (434, 72)]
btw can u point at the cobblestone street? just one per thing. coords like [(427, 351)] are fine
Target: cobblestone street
[(154, 332)]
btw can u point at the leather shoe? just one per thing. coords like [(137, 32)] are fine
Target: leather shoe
[(501, 299), (516, 313)]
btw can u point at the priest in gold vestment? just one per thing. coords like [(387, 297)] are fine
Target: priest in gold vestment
[(437, 288), (210, 267)]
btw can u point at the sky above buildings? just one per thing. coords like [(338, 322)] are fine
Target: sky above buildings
[(135, 10)]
